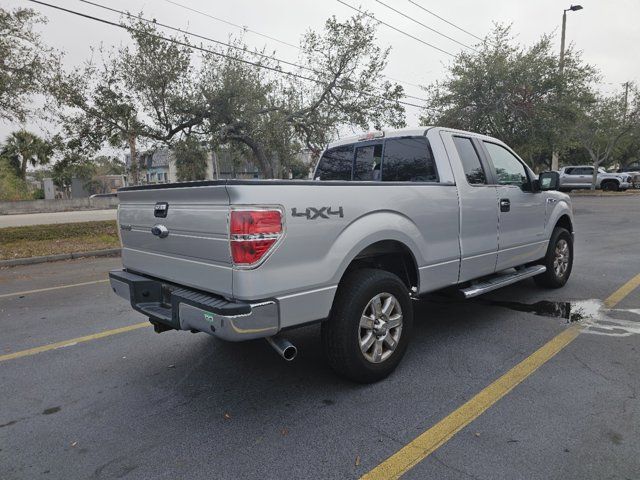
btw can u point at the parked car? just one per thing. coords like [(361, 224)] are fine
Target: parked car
[(634, 172), (389, 216), (581, 177)]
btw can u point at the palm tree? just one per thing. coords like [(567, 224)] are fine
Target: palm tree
[(24, 148)]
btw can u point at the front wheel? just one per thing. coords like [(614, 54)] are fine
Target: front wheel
[(558, 260), (368, 330), (610, 186)]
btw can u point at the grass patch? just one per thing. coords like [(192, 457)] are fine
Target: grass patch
[(38, 240)]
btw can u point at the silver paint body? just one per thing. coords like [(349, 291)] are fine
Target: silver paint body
[(578, 181), (454, 231)]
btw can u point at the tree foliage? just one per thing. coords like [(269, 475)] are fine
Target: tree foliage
[(23, 148), (156, 92), (514, 93), (601, 127), (12, 187), (25, 63), (191, 160), (72, 165)]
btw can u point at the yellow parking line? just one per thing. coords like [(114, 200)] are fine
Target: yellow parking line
[(426, 443), (619, 295), (73, 341), (48, 289)]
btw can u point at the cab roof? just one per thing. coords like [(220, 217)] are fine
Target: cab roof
[(402, 132)]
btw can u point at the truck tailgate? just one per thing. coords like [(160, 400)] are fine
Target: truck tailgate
[(196, 250)]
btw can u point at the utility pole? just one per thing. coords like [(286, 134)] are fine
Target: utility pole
[(626, 86), (555, 157)]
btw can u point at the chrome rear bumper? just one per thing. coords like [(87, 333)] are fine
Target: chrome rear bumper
[(179, 308)]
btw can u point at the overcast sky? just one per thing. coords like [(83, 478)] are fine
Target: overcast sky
[(606, 31)]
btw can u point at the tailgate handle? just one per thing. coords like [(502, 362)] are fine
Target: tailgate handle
[(160, 231)]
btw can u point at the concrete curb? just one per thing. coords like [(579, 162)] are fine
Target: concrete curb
[(110, 252), (614, 194)]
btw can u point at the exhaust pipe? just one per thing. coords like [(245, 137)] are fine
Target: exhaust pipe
[(284, 347)]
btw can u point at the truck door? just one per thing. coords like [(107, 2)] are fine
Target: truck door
[(521, 235), (584, 176), (478, 207), (567, 177)]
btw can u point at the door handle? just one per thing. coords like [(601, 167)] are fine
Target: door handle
[(505, 205)]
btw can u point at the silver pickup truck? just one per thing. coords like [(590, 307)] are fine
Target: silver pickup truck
[(388, 217), (580, 177)]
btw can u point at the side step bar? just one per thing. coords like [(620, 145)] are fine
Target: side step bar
[(501, 280)]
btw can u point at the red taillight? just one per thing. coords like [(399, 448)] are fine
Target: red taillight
[(253, 233)]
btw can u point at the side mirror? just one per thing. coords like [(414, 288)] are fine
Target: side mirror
[(548, 181)]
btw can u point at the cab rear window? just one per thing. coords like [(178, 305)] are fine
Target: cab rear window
[(406, 159)]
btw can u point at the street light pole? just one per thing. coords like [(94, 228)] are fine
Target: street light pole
[(554, 155)]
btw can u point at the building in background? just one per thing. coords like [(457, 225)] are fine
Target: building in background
[(159, 165)]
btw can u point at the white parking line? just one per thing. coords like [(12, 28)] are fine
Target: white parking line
[(48, 289)]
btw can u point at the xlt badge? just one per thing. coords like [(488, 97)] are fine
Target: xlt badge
[(160, 210)]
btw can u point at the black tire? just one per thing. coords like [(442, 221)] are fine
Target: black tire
[(550, 278), (341, 333), (610, 186)]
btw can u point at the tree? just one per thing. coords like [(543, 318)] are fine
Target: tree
[(155, 93), (191, 160), (12, 187), (511, 92), (340, 84), (25, 62), (71, 166), (24, 149), (105, 165), (137, 94), (603, 125)]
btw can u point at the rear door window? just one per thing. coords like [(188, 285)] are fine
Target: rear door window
[(470, 161), (408, 160), (368, 162), (335, 164)]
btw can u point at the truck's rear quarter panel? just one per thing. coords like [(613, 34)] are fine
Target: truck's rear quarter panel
[(304, 270)]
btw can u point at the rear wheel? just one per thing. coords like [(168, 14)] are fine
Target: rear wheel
[(368, 330), (558, 260)]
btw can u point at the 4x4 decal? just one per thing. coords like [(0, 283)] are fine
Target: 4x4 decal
[(312, 213)]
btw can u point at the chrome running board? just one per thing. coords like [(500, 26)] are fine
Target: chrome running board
[(500, 280)]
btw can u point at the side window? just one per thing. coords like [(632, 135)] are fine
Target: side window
[(335, 164), (470, 161), (509, 170), (408, 160), (584, 171), (368, 162), (569, 171)]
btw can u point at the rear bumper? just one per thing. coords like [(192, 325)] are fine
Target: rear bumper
[(184, 309)]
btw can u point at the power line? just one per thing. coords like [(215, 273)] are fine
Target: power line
[(426, 26), (404, 82), (396, 29), (445, 20), (202, 37), (185, 32), (242, 27), (195, 47)]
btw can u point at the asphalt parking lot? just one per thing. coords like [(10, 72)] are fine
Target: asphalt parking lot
[(130, 403)]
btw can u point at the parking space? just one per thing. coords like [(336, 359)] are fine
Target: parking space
[(135, 404)]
